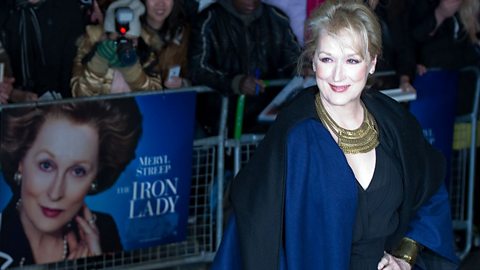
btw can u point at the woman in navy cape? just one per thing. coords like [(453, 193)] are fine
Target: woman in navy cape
[(344, 179)]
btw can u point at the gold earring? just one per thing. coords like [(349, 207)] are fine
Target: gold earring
[(17, 178)]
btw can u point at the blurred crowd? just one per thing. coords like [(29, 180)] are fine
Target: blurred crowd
[(94, 47)]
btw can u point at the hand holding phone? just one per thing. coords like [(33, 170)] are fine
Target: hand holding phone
[(174, 72)]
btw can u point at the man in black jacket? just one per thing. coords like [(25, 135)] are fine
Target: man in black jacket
[(235, 44), (39, 37)]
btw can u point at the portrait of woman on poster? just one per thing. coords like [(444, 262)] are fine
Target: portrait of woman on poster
[(52, 157), (344, 179)]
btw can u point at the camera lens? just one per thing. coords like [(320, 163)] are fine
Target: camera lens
[(126, 52)]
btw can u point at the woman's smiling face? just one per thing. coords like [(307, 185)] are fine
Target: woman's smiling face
[(341, 71), (158, 11), (57, 172)]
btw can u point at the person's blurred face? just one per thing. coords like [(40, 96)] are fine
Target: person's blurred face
[(246, 6), (158, 11), (57, 172), (341, 72), (96, 15)]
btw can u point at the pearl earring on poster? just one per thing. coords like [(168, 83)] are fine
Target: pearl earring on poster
[(18, 204), (17, 178), (93, 186)]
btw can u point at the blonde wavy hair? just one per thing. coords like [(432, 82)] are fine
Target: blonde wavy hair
[(333, 17), (470, 17)]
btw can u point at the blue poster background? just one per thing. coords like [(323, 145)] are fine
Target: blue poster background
[(435, 108), (5, 193), (168, 130)]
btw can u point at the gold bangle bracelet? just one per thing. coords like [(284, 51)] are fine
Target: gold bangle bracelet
[(407, 250)]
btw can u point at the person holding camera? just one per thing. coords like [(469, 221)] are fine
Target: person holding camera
[(110, 57), (166, 22)]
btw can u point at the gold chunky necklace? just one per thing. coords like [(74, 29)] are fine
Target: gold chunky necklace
[(360, 140)]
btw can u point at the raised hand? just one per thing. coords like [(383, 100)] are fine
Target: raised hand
[(389, 262), (88, 243), (248, 85), (6, 88), (446, 9)]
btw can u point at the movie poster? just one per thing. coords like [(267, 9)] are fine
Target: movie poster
[(142, 202), (435, 108)]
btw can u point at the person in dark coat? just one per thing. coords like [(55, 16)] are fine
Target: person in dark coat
[(39, 37), (446, 35), (344, 179), (234, 46)]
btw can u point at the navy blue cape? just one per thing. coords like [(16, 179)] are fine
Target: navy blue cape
[(285, 217)]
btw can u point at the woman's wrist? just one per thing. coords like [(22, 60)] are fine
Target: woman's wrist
[(407, 250)]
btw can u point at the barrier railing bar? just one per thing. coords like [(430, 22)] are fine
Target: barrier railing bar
[(198, 89), (221, 169), (471, 183)]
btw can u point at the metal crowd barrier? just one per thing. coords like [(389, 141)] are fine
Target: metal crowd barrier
[(204, 229), (241, 149), (462, 183)]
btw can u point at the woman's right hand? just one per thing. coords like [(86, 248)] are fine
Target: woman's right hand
[(173, 83), (421, 69), (107, 49), (6, 88), (389, 262), (88, 243), (249, 84)]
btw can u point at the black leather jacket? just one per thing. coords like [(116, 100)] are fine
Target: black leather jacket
[(226, 43), (49, 55)]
